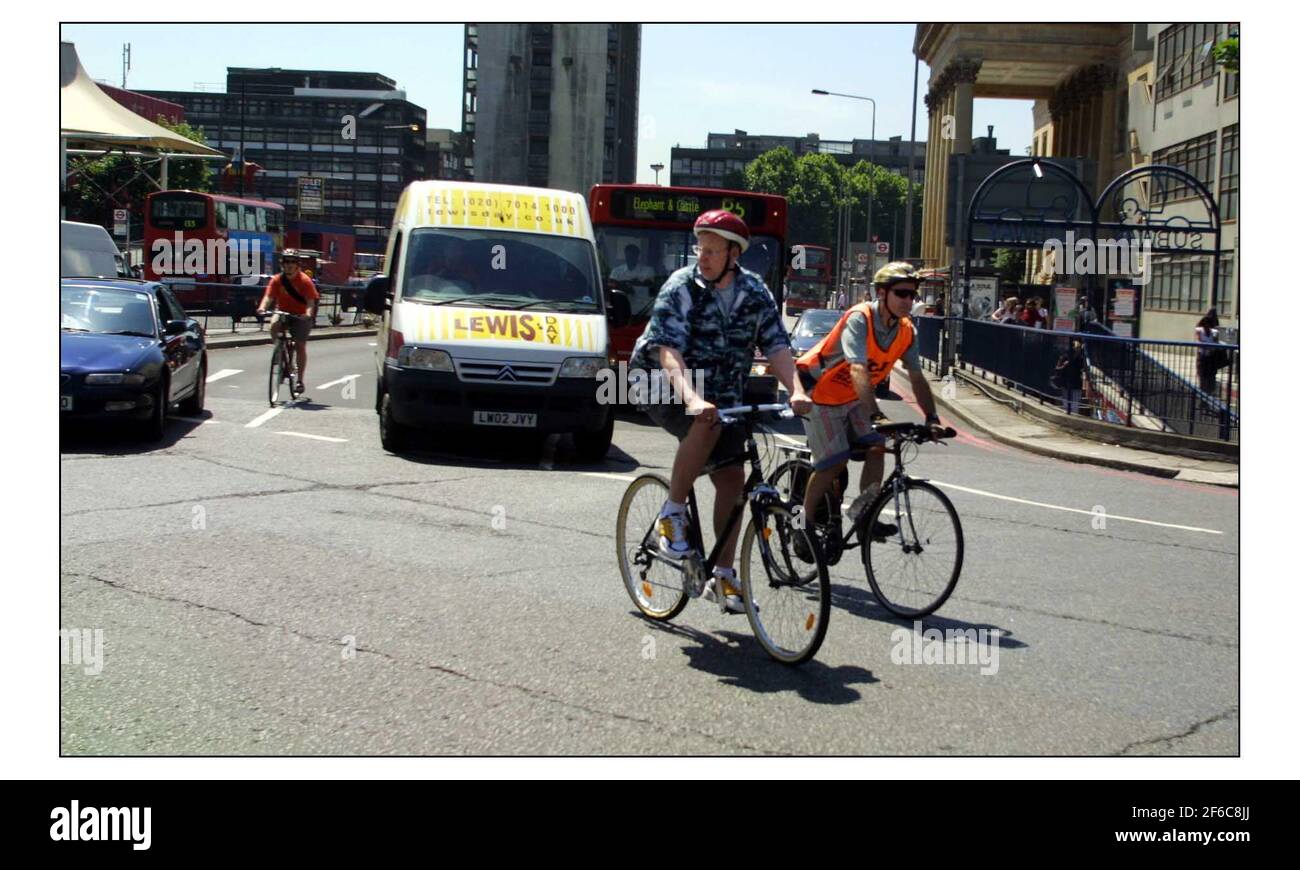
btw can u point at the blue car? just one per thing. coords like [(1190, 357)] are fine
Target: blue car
[(127, 352)]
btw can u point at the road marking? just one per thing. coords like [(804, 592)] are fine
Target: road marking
[(262, 418), (788, 440), (197, 419), (224, 373), (622, 477), (1056, 507), (339, 381), (374, 344), (313, 437)]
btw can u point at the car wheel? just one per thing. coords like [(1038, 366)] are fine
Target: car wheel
[(156, 425), (592, 446), (392, 435), (193, 406)]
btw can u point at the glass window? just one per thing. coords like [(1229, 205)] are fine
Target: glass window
[(520, 268), (1195, 156), (1229, 174), (261, 219), (1184, 57)]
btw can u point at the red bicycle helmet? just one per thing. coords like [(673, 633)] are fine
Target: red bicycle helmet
[(725, 224)]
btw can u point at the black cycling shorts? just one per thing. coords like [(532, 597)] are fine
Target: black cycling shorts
[(673, 418)]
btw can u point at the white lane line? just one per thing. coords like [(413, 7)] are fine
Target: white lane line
[(622, 477), (788, 440), (262, 418), (224, 373), (313, 437), (1057, 507), (197, 419), (374, 344), (339, 381)]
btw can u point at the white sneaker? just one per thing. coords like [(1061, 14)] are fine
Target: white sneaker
[(730, 589), (672, 536)]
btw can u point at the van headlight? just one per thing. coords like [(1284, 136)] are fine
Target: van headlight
[(424, 358), (582, 366)]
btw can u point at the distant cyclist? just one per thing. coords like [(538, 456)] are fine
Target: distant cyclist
[(294, 293), (708, 318), (842, 373)]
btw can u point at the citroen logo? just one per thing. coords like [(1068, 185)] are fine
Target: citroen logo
[(506, 374)]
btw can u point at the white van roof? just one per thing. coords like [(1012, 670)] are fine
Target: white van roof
[(508, 207), (86, 250)]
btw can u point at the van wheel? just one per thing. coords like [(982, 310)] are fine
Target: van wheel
[(392, 435), (592, 446)]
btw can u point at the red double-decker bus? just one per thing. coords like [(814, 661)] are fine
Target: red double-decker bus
[(810, 284), (645, 233)]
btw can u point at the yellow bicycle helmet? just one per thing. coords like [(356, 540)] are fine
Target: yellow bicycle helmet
[(892, 273)]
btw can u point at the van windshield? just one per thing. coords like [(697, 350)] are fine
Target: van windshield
[(503, 269)]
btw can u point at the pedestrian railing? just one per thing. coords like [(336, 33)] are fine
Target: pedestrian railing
[(224, 306), (1172, 386)]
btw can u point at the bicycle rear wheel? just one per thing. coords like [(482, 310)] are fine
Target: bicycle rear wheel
[(277, 371), (657, 587), (913, 571), (787, 598)]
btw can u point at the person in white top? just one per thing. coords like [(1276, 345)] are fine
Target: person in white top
[(633, 269)]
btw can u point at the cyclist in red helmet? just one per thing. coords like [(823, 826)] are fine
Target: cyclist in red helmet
[(707, 319)]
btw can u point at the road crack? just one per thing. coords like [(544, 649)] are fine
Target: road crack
[(1230, 713)]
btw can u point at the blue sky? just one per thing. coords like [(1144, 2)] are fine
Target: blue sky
[(763, 87)]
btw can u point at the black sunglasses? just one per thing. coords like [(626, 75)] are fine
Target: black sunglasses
[(903, 292)]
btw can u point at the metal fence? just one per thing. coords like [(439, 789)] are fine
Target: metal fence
[(224, 307), (1170, 386)]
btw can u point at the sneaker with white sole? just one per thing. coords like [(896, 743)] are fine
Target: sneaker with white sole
[(672, 536), (735, 603)]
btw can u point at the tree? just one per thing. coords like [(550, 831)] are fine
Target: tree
[(1010, 264), (1226, 53), (119, 181)]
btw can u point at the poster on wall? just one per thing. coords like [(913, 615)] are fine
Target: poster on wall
[(983, 296), (1065, 301), (1125, 304)]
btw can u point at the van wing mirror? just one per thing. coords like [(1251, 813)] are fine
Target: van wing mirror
[(620, 309), (379, 294)]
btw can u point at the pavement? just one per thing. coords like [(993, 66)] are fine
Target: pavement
[(995, 419), (248, 335)]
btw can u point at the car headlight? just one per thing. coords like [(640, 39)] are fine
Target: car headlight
[(758, 370), (115, 379), (582, 367), (425, 358)]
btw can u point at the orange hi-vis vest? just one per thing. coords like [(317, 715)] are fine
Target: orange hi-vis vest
[(834, 381)]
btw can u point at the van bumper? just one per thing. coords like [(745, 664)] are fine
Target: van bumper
[(439, 400)]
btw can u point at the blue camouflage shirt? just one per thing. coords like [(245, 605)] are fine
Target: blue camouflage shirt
[(716, 342)]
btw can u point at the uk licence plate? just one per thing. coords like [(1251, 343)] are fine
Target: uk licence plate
[(505, 418), (65, 403)]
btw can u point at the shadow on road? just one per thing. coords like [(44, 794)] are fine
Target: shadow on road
[(737, 660), (861, 603), (121, 439)]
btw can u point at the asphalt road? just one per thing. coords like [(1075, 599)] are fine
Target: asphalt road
[(279, 584)]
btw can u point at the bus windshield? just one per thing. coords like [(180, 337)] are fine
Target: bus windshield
[(638, 260), (504, 269)]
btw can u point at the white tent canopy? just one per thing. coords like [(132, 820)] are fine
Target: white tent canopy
[(91, 118)]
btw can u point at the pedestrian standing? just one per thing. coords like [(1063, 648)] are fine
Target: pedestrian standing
[(1069, 377), (1209, 358)]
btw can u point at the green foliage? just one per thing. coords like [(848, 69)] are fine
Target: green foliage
[(118, 181), (1226, 54), (817, 184), (1010, 264)]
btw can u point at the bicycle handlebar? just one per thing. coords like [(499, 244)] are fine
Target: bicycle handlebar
[(728, 415), (914, 432)]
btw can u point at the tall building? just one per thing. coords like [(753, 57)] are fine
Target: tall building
[(356, 130), (730, 153), (551, 105)]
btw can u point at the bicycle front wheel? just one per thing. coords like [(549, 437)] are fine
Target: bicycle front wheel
[(657, 587), (277, 372), (913, 571), (786, 586)]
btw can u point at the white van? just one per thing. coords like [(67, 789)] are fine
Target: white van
[(493, 315), (87, 251)]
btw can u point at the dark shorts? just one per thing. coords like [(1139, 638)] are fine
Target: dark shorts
[(299, 327), (673, 418)]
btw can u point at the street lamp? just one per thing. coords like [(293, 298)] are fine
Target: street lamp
[(656, 167), (871, 200)]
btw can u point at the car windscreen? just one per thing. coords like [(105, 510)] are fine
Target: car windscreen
[(816, 323), (501, 269), (106, 310)]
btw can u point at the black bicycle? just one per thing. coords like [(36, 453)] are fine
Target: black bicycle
[(284, 360), (914, 549), (788, 601)]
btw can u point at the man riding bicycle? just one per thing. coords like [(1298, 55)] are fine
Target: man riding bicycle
[(841, 373), (292, 292), (706, 322)]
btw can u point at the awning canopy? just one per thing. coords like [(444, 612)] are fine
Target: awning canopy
[(91, 118)]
